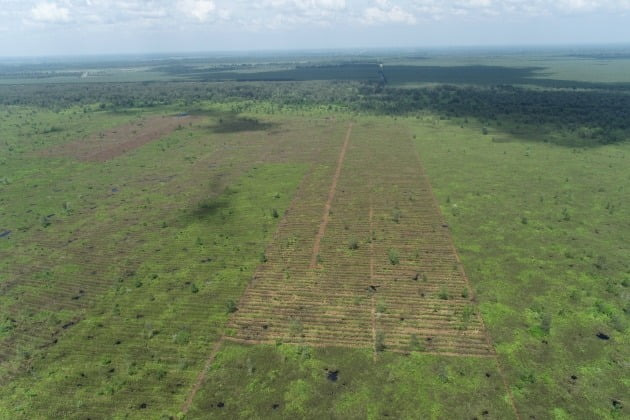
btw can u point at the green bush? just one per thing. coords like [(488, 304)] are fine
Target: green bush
[(231, 306), (394, 259), (381, 307)]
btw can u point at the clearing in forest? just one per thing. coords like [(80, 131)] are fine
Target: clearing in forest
[(377, 269)]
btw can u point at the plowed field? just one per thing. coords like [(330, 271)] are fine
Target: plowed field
[(377, 269)]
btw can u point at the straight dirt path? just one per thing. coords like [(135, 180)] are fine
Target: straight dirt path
[(373, 300), (202, 375), (331, 197)]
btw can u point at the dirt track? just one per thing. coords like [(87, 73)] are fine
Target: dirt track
[(331, 197)]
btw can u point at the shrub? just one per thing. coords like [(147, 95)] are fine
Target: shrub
[(67, 208), (396, 215), (394, 259), (45, 221), (545, 322), (231, 306), (296, 327), (353, 244), (415, 344), (379, 342), (381, 307)]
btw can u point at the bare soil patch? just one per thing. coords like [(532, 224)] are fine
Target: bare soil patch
[(106, 145)]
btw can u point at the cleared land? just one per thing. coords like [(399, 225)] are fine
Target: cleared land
[(378, 270), (267, 261), (109, 144)]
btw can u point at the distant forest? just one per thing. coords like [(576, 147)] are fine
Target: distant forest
[(572, 117)]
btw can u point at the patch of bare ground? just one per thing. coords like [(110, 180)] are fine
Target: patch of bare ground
[(109, 144)]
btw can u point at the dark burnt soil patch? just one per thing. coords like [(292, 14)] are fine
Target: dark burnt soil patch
[(332, 375), (103, 146)]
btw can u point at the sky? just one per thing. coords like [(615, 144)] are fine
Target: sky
[(76, 27)]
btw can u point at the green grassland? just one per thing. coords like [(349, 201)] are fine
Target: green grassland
[(118, 277), (542, 231)]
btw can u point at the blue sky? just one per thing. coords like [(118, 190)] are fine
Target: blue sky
[(54, 27)]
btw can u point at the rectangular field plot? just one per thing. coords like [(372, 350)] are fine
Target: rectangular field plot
[(363, 258)]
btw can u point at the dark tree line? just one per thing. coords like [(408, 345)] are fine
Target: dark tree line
[(595, 116)]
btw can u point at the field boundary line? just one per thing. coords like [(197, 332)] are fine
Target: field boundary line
[(331, 196), (460, 266), (316, 345), (373, 308), (201, 377)]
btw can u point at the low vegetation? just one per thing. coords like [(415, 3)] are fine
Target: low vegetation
[(119, 276)]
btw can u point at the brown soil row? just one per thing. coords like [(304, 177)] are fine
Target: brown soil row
[(324, 295)]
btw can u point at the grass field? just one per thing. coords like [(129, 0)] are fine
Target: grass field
[(549, 266), (202, 261)]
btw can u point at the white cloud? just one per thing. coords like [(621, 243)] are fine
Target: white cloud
[(306, 4), (49, 13), (384, 12), (285, 14), (200, 10)]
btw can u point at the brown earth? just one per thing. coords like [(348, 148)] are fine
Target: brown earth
[(107, 145)]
